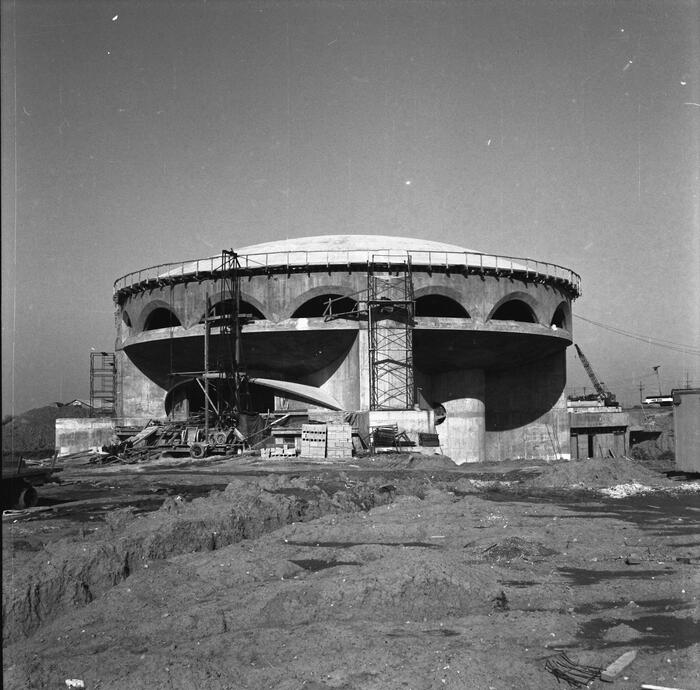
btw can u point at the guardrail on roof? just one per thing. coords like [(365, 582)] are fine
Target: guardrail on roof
[(294, 261)]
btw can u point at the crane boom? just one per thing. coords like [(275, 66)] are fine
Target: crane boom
[(603, 393)]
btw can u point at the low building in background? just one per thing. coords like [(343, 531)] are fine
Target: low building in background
[(597, 430), (686, 425)]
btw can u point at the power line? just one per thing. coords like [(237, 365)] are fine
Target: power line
[(635, 380), (622, 331), (658, 342)]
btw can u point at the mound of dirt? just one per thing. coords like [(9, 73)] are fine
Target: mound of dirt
[(621, 633), (445, 592), (406, 461), (73, 572), (35, 431), (514, 548), (595, 473)]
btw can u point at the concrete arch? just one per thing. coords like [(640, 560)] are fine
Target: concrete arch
[(440, 306), (163, 317), (447, 293), (518, 297), (561, 318), (254, 305), (152, 307), (316, 307), (126, 319), (299, 301), (245, 297)]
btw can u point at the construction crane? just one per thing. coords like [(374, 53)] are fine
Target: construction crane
[(602, 393)]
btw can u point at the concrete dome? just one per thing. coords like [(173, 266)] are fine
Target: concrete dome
[(351, 243), (339, 249)]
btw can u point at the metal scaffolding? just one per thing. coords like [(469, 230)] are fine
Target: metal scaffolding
[(222, 363), (103, 382), (390, 315), (231, 362)]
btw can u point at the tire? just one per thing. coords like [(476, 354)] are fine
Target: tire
[(28, 497), (198, 450)]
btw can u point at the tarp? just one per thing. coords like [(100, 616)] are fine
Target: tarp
[(299, 391), (252, 426)]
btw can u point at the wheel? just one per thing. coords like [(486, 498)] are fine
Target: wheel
[(440, 413), (28, 497), (198, 450), (220, 438)]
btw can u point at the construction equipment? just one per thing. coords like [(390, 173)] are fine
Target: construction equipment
[(224, 424), (602, 393), (217, 426), (19, 480), (186, 437)]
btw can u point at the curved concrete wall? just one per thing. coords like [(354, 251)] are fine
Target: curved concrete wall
[(279, 296)]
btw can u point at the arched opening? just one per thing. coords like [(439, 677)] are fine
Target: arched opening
[(316, 306), (514, 310), (246, 310), (439, 305), (161, 318), (560, 318), (126, 319)]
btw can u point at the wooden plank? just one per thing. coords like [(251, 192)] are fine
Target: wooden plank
[(618, 666)]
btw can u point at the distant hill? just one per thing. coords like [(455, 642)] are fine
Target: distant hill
[(33, 433)]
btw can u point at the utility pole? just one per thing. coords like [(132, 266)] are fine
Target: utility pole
[(641, 393)]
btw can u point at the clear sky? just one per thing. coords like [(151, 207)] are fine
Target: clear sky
[(138, 132)]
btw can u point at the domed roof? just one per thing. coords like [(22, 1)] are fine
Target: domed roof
[(346, 250), (353, 243), (326, 250)]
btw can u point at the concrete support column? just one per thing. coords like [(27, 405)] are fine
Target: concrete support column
[(561, 431), (363, 366), (463, 433), (527, 415), (137, 397)]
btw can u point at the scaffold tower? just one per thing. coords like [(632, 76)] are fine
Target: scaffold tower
[(222, 355), (103, 382), (390, 315)]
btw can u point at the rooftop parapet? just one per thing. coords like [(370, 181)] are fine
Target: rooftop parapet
[(302, 261)]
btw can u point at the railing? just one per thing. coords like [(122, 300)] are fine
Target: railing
[(163, 274)]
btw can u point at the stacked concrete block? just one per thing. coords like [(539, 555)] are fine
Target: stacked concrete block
[(338, 440), (281, 451), (323, 416), (313, 440)]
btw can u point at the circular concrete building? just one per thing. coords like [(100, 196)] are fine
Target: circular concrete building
[(487, 334)]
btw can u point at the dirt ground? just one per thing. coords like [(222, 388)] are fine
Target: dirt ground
[(392, 572)]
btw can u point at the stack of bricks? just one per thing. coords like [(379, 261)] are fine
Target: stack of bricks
[(313, 440), (283, 451), (339, 440)]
